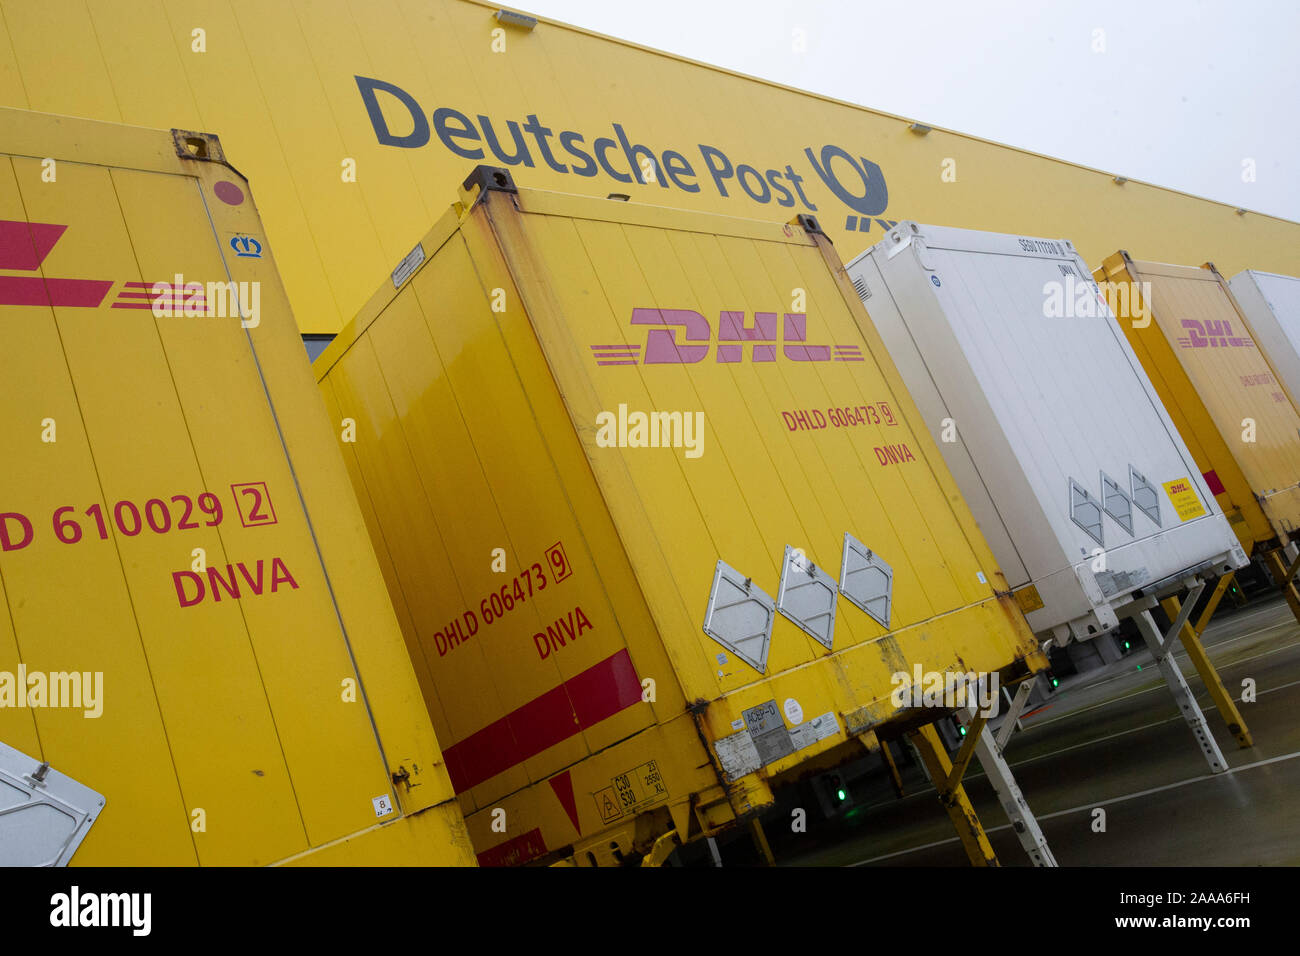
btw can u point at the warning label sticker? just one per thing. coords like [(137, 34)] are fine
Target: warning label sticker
[(767, 739), (629, 792), (1183, 494), (819, 728)]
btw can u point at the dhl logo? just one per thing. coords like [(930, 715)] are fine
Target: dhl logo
[(24, 247), (662, 346), (1210, 334)]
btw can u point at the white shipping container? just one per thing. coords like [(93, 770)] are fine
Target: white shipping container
[(1058, 441), (1271, 303)]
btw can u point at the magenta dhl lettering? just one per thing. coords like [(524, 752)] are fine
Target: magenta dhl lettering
[(663, 346), (894, 454), (805, 420), (1212, 334), (187, 581)]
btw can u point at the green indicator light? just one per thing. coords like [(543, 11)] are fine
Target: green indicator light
[(840, 794), (962, 731)]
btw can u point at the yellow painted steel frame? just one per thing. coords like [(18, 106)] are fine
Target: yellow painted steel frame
[(244, 728), (438, 462), (1191, 638), (947, 780)]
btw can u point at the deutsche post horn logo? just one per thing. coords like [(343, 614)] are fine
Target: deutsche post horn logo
[(246, 247)]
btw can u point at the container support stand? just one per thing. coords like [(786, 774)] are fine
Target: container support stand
[(1285, 578), (1161, 648), (1191, 638), (1014, 805), (1012, 722), (946, 777), (760, 842), (895, 777)]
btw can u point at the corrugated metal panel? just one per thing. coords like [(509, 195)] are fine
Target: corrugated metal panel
[(1201, 354), (280, 80), (1043, 412), (583, 315), (1271, 304), (254, 690)]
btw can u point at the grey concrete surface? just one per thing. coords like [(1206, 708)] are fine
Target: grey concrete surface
[(1114, 740)]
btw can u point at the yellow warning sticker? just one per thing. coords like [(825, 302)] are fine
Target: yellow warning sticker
[(1183, 495), (630, 791), (1028, 598), (607, 805)]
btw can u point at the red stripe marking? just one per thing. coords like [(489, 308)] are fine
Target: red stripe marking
[(164, 299), (562, 784), (628, 362), (604, 690), (23, 290), (33, 290), (1212, 481), (597, 693), (24, 245), (521, 849)]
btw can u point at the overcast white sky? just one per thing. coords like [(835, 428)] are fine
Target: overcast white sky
[(1184, 92)]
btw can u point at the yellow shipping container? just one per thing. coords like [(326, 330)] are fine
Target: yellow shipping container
[(198, 662), (348, 114), (605, 451), (1229, 406)]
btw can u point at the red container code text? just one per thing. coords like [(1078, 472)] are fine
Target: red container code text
[(878, 413), (508, 597), (72, 523)]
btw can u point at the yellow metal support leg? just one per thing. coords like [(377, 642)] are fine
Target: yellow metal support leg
[(1284, 578), (1191, 639), (760, 841), (662, 849), (894, 776), (953, 795)]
